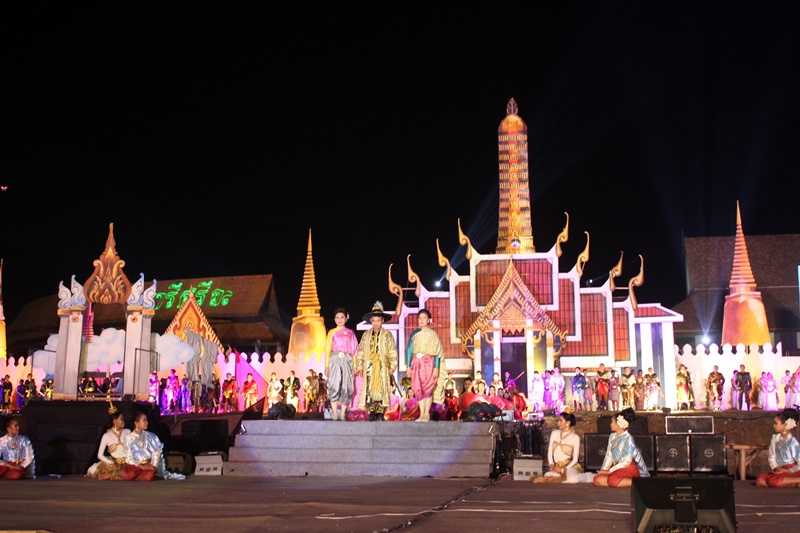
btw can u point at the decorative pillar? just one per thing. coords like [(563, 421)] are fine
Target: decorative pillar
[(139, 313), (71, 306)]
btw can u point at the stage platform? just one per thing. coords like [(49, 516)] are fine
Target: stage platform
[(349, 504)]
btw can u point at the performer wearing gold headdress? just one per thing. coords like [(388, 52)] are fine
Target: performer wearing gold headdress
[(109, 466), (376, 360)]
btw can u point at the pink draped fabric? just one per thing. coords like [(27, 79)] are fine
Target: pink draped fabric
[(422, 379)]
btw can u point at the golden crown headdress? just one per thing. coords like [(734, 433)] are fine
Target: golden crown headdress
[(112, 409)]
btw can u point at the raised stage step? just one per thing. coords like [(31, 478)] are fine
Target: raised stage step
[(285, 448)]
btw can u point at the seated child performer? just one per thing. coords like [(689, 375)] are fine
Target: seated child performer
[(784, 453), (623, 460)]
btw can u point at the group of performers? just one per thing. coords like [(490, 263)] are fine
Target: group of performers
[(744, 392), (605, 390), (15, 398)]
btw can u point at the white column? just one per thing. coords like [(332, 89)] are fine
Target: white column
[(68, 353), (668, 380), (136, 368)]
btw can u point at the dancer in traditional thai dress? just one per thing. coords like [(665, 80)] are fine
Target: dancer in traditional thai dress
[(111, 453), (557, 384), (562, 454), (769, 393), (537, 393), (16, 452), (784, 453), (623, 460), (341, 346), (423, 357)]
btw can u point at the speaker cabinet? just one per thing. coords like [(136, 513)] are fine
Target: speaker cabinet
[(660, 503), (646, 444), (638, 427), (595, 445), (708, 454), (689, 424), (594, 450), (673, 453)]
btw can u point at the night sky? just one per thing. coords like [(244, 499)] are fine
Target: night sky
[(214, 135)]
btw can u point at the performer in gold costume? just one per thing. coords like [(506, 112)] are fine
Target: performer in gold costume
[(376, 360), (715, 384)]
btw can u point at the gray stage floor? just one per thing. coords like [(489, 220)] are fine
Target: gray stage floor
[(344, 504)]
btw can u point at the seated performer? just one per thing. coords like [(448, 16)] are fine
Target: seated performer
[(16, 453), (784, 453), (562, 454), (109, 466), (143, 454), (623, 460)]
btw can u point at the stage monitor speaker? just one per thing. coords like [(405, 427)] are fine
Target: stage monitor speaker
[(671, 503), (209, 464), (708, 454), (638, 427), (255, 411), (689, 424), (673, 453)]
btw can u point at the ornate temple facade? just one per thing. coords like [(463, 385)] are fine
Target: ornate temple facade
[(518, 310)]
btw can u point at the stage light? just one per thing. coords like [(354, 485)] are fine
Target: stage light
[(438, 283), (705, 339)]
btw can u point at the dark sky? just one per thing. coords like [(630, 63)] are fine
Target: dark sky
[(214, 135)]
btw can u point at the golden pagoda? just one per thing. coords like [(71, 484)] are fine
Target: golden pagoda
[(308, 333), (744, 319)]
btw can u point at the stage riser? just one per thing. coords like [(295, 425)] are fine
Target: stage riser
[(322, 442), (286, 448), (405, 455), (354, 469)]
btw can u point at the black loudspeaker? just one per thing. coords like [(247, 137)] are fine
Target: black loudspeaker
[(594, 450), (646, 444), (689, 424), (708, 454), (203, 435), (672, 453), (638, 427), (255, 411), (660, 503), (595, 445)]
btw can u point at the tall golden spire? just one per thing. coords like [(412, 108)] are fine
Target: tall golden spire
[(308, 304), (308, 332), (744, 320), (742, 279), (514, 230)]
